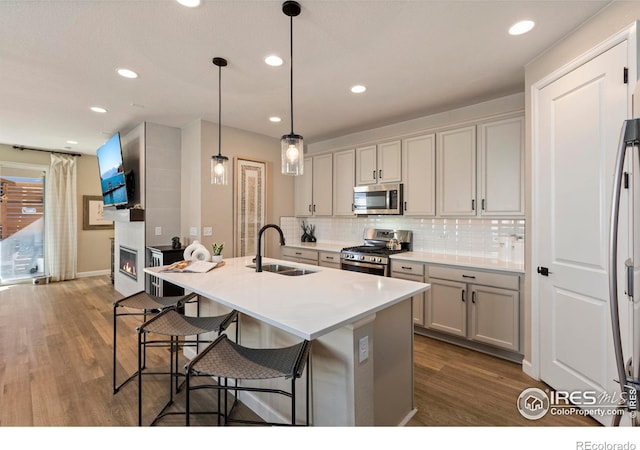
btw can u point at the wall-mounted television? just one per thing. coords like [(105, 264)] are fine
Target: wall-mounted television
[(116, 183)]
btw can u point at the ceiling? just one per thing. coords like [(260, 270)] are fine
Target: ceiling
[(59, 58)]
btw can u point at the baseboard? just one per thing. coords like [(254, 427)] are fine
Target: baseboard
[(527, 368), (93, 273)]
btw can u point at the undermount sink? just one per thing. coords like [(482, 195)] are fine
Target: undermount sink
[(283, 270)]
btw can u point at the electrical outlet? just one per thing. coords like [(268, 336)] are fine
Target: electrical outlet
[(207, 231), (193, 231), (363, 349), (158, 231)]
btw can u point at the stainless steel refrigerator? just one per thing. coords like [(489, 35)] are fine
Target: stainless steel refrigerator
[(624, 269)]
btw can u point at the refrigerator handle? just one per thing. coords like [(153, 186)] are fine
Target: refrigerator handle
[(629, 135)]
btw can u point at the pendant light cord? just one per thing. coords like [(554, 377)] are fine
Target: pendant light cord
[(291, 60), (219, 111)]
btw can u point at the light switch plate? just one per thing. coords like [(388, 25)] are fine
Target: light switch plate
[(207, 231), (193, 231), (158, 231)]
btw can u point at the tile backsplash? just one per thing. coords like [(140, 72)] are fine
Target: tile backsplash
[(464, 237)]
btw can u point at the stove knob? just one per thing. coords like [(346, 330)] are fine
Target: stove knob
[(379, 260), (362, 258), (373, 259)]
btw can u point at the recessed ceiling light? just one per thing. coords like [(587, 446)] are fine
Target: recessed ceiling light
[(358, 89), (273, 60), (98, 109), (275, 119), (72, 142), (189, 3), (127, 73), (521, 27)]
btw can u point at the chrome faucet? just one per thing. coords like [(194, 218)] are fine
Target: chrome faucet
[(258, 252)]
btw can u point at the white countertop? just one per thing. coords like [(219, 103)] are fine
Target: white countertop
[(476, 262), (307, 306)]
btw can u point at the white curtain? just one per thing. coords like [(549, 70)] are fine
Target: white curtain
[(61, 218)]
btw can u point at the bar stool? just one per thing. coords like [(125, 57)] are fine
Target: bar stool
[(224, 359), (145, 305), (175, 325)]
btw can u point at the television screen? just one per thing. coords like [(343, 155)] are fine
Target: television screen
[(112, 175)]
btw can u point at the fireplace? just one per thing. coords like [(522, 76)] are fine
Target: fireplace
[(129, 262)]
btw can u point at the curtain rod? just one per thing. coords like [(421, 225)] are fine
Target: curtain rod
[(49, 151)]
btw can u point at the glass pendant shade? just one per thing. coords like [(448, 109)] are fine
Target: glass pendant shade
[(219, 169), (292, 154)]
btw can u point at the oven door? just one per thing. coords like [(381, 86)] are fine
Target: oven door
[(364, 267)]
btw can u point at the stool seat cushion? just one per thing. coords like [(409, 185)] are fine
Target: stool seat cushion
[(172, 323), (224, 358), (142, 301)]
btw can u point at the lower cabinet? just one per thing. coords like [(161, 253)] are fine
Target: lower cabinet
[(303, 256), (329, 259), (409, 270), (476, 305)]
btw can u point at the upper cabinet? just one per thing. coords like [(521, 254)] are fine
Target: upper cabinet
[(379, 163), (501, 167), (456, 174), (344, 176), (314, 189), (419, 175), (480, 170)]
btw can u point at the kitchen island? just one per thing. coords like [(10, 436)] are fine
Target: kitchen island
[(361, 327)]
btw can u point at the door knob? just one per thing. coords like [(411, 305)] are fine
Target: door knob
[(544, 271)]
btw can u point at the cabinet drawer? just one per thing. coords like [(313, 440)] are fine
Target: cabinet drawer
[(300, 253), (407, 267), (499, 280), (329, 257)]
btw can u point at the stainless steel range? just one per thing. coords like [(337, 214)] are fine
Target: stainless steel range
[(373, 256)]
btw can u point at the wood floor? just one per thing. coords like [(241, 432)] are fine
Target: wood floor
[(56, 368)]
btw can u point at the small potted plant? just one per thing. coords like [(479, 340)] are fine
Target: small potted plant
[(217, 252)]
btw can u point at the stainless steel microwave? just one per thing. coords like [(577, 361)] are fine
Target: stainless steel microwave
[(378, 199)]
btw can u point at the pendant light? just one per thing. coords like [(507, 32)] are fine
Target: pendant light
[(219, 163), (292, 145)]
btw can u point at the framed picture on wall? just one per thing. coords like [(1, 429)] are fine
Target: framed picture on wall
[(93, 214), (250, 204)]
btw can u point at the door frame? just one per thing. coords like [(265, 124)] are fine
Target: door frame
[(532, 367)]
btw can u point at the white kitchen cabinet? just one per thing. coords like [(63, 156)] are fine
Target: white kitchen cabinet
[(381, 163), (419, 175), (412, 271), (314, 189), (300, 255), (495, 316), (501, 167), (329, 259), (446, 309), (456, 172), (344, 179), (480, 306)]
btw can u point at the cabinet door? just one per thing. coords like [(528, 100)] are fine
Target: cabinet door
[(418, 299), (495, 317), (501, 168), (366, 165), (304, 190), (344, 178), (447, 307), (322, 185), (456, 160), (389, 162), (419, 175)]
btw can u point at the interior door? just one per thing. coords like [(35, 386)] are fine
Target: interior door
[(579, 119)]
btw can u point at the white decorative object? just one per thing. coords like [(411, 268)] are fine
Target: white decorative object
[(216, 258), (190, 249), (201, 254)]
